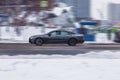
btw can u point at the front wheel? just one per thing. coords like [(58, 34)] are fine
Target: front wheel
[(39, 42), (72, 42)]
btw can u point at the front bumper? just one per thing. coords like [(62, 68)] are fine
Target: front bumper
[(31, 41)]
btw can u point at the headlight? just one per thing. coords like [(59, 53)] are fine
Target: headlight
[(32, 37)]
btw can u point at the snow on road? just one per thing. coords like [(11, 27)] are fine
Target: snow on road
[(100, 55), (107, 54), (59, 69)]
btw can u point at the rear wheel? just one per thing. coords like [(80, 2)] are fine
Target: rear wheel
[(39, 42), (72, 42)]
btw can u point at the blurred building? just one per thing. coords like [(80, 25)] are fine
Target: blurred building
[(13, 8), (114, 12), (81, 8), (16, 5)]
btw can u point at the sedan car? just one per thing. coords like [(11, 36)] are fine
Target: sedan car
[(57, 37)]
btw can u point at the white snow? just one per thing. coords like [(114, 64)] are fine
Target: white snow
[(10, 34), (106, 54), (61, 7), (102, 38), (32, 17), (59, 69), (58, 11)]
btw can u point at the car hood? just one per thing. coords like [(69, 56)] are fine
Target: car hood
[(38, 36)]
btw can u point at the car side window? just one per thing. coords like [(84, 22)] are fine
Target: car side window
[(55, 33), (64, 33), (52, 33)]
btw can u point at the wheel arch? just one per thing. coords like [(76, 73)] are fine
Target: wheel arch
[(72, 38), (38, 38)]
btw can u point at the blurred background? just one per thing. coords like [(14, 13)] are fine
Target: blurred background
[(20, 19)]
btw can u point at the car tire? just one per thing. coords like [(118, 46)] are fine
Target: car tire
[(39, 42), (72, 42)]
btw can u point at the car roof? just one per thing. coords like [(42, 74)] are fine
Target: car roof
[(64, 30)]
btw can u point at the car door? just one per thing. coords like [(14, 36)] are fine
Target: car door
[(64, 36), (54, 37)]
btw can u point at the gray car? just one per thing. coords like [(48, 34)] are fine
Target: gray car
[(57, 37)]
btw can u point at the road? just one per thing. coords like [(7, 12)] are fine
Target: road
[(49, 49)]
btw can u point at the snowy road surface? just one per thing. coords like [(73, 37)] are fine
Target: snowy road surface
[(60, 69), (107, 54)]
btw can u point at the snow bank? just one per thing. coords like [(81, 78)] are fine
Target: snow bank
[(90, 55), (100, 55), (60, 69), (102, 38)]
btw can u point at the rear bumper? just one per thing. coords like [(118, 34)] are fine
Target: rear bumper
[(81, 40)]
